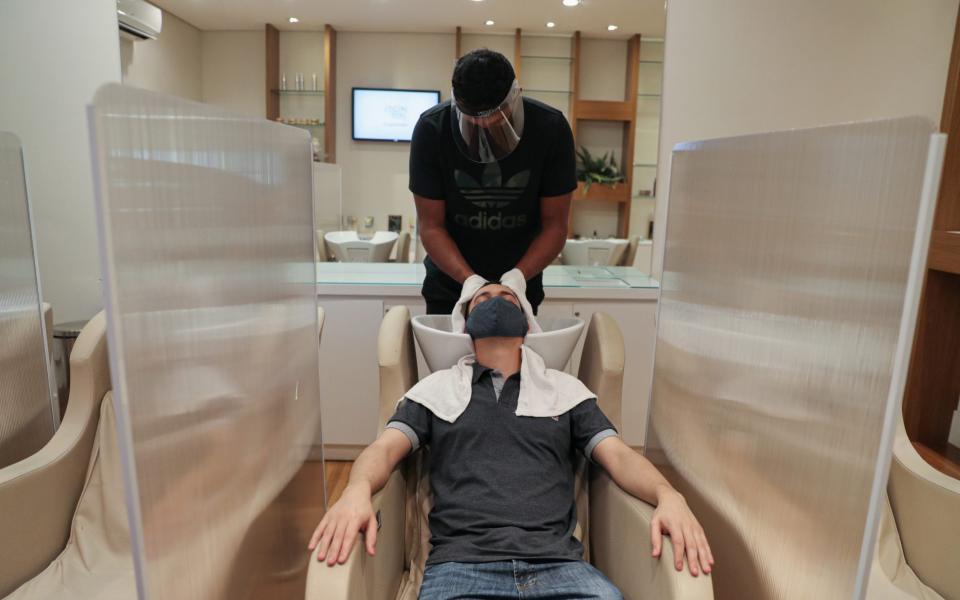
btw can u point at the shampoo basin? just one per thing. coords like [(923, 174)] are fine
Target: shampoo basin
[(442, 348), (593, 253), (347, 246)]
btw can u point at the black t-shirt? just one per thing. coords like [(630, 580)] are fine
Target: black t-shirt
[(503, 485), (492, 210)]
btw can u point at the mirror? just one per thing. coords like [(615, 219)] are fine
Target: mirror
[(314, 72)]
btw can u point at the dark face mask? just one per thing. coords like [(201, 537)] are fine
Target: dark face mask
[(496, 317)]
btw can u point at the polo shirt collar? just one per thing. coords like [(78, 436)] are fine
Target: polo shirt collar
[(479, 371)]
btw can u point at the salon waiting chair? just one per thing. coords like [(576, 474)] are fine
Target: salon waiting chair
[(614, 526)]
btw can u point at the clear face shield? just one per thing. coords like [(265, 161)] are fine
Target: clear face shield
[(490, 135)]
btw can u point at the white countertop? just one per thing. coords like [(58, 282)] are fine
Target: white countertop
[(559, 281)]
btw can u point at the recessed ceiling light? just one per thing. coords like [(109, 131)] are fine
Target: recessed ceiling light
[(612, 28), (294, 20), (489, 22), (551, 24), (571, 2)]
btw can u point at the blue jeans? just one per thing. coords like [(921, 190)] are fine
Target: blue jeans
[(515, 579)]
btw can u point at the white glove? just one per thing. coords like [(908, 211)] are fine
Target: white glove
[(458, 318), (515, 280)]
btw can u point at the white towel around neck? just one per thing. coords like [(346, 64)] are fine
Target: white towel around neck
[(543, 392)]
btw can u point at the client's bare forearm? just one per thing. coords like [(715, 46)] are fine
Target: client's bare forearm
[(371, 470), (631, 471), (639, 478)]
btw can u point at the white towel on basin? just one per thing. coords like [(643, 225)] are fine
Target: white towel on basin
[(543, 392)]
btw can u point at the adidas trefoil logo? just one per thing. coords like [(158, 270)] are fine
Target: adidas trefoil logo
[(490, 194)]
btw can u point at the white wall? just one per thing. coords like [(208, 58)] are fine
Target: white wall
[(302, 51), (170, 64), (746, 66), (233, 67), (375, 174), (54, 54)]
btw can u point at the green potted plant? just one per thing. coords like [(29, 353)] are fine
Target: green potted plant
[(603, 170)]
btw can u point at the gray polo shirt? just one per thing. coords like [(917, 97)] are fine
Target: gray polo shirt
[(503, 485)]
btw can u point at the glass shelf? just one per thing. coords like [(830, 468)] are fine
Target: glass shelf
[(649, 95), (293, 122), (651, 62), (644, 164), (540, 57), (567, 92), (298, 92)]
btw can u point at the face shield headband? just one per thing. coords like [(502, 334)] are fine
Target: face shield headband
[(490, 135)]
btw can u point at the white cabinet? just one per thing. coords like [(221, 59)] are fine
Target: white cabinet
[(349, 381), (637, 321)]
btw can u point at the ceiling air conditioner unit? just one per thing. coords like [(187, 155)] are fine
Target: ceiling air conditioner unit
[(139, 20)]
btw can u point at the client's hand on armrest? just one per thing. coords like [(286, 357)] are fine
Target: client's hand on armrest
[(639, 478), (353, 512), (338, 530)]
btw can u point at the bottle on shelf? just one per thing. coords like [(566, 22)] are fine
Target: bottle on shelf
[(315, 83), (283, 81)]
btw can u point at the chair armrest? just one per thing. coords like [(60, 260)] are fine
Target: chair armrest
[(620, 547), (365, 577)]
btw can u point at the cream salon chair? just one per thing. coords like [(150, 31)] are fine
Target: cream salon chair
[(614, 526), (403, 247), (63, 521), (39, 495), (916, 552)]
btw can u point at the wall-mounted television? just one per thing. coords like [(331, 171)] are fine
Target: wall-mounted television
[(385, 115)]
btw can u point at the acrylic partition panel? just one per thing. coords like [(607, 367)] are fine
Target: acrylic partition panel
[(787, 256), (26, 411), (206, 225)]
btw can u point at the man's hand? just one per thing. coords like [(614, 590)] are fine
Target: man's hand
[(673, 517), (338, 530), (515, 280)]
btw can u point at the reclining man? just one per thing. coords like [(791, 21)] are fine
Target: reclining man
[(503, 483)]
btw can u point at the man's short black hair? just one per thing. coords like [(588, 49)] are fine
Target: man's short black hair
[(482, 79)]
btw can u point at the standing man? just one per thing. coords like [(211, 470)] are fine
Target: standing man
[(492, 174)]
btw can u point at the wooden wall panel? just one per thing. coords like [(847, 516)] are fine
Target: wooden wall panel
[(933, 384), (273, 71), (947, 217), (330, 93)]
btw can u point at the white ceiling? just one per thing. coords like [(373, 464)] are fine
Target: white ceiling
[(591, 17)]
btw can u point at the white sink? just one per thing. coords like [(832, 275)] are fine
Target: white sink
[(347, 246), (442, 348), (594, 253)]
